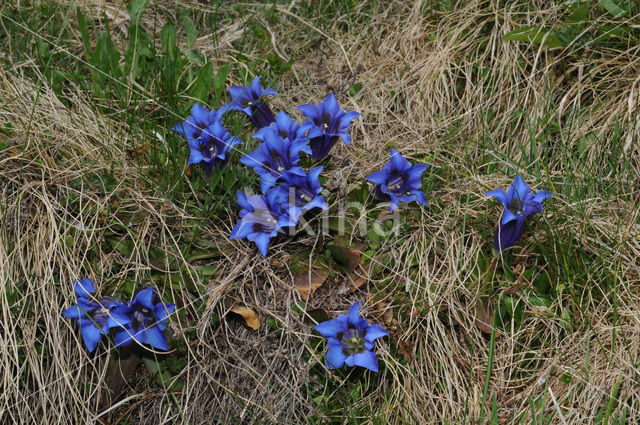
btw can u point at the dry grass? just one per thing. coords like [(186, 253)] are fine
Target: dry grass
[(447, 70)]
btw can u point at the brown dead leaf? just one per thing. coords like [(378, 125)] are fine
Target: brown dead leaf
[(250, 317), (359, 277), (406, 348), (388, 316), (484, 316), (138, 151), (346, 256), (307, 283)]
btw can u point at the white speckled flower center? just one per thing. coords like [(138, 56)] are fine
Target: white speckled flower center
[(352, 341)]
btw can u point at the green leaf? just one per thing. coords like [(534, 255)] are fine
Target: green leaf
[(535, 35), (190, 29), (580, 14), (613, 7), (43, 49), (84, 34), (569, 33), (200, 87), (513, 308), (373, 235), (162, 377), (140, 50), (354, 89), (219, 81), (168, 39), (540, 300), (135, 8), (195, 56)]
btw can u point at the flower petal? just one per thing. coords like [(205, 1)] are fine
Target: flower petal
[(241, 230), (308, 110), (419, 197), (242, 201), (90, 335), (521, 188), (379, 177), (156, 338), (117, 320), (73, 312), (163, 311), (507, 235), (501, 196), (123, 337), (348, 116), (144, 297), (366, 359), (354, 313), (195, 156), (374, 332), (267, 180), (335, 358), (331, 328), (262, 241), (83, 287), (331, 104), (200, 113), (542, 195)]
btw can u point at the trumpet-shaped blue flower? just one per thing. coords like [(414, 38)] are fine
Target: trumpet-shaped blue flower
[(250, 100), (274, 157), (212, 148), (193, 128), (261, 218), (350, 340), (399, 181), (148, 317), (519, 203), (285, 127), (95, 318), (302, 193), (329, 122)]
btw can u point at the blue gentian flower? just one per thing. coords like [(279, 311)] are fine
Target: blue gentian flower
[(95, 318), (250, 100), (274, 157), (350, 340), (209, 142), (519, 203), (261, 218), (193, 127), (302, 193), (285, 127), (211, 149), (399, 181), (148, 320), (328, 123)]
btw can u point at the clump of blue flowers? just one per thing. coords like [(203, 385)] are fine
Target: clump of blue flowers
[(148, 320), (519, 203), (95, 317), (399, 181), (329, 123), (143, 319), (275, 156), (350, 340), (288, 190)]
